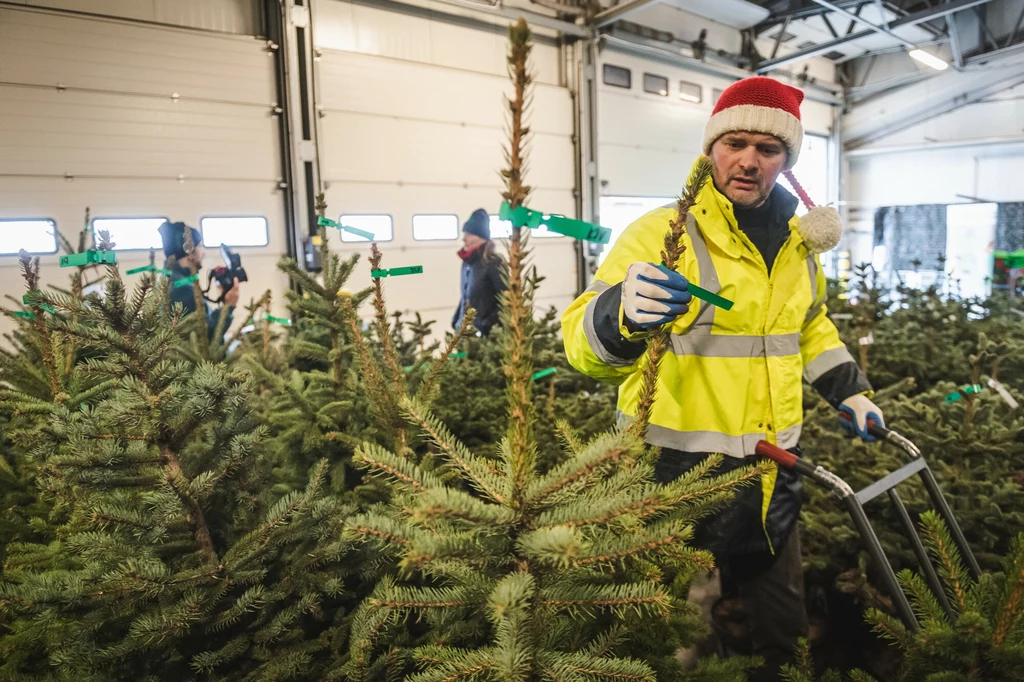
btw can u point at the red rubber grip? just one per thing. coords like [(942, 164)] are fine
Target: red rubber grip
[(776, 454)]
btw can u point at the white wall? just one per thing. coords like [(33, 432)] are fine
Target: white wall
[(917, 165), (414, 122), (113, 137), (229, 16)]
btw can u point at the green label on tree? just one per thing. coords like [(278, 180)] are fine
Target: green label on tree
[(186, 281), (397, 272), (570, 227), (963, 392), (88, 258), (327, 222), (280, 320), (458, 356), (544, 373), (34, 299), (27, 316), (148, 268)]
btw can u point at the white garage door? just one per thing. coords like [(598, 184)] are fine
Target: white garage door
[(414, 123), (136, 122)]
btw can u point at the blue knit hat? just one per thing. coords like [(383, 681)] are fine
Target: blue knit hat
[(479, 224), (173, 237)]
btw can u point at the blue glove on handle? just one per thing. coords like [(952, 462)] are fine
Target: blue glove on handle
[(861, 409), (653, 295)]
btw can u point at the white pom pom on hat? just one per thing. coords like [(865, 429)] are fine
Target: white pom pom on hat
[(821, 228)]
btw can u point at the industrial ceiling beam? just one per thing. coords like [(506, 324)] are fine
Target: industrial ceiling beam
[(909, 20), (856, 17), (954, 42), (620, 11)]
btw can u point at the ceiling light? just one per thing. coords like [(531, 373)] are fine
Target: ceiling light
[(689, 98), (928, 59)]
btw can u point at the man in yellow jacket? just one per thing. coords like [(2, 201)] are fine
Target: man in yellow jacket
[(731, 378)]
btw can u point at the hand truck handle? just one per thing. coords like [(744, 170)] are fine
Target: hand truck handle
[(874, 428)]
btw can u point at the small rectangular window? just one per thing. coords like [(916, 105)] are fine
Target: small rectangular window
[(618, 77), (235, 231), (715, 94), (689, 92), (37, 235), (655, 84), (435, 227), (500, 229), (382, 227), (131, 233)]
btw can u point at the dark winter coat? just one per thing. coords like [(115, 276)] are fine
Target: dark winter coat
[(481, 288), (186, 297)]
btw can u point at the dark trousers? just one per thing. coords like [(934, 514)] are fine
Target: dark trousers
[(770, 595), (762, 609)]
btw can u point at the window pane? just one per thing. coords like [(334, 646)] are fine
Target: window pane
[(812, 171), (689, 92), (500, 229), (382, 227), (656, 85), (618, 212), (617, 76), (35, 236), (131, 233), (251, 231), (427, 227)]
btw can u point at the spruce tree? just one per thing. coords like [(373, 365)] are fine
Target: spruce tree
[(519, 572), (168, 560)]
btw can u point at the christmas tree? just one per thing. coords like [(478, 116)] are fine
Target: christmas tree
[(518, 572), (169, 559)]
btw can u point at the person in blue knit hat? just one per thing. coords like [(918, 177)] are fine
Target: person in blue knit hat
[(483, 274)]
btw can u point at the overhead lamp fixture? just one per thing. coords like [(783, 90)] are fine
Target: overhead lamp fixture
[(929, 60), (689, 98)]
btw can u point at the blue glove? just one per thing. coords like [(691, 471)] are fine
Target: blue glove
[(860, 410), (653, 295)]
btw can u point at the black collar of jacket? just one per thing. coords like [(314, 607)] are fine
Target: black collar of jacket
[(778, 210)]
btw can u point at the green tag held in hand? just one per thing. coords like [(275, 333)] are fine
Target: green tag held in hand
[(396, 272), (570, 227), (544, 373), (89, 258), (186, 281), (327, 222)]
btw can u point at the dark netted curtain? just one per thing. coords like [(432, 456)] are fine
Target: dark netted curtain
[(912, 233)]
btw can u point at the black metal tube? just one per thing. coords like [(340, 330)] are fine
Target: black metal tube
[(939, 500), (930, 576), (899, 599)]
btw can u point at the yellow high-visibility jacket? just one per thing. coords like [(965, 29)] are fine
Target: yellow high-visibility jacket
[(730, 378)]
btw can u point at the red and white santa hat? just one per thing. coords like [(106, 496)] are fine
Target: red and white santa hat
[(764, 105), (759, 105)]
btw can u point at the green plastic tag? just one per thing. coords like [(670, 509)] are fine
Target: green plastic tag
[(88, 258), (544, 373), (27, 316), (962, 392), (327, 222), (705, 295), (458, 356), (397, 272), (148, 268), (186, 281), (29, 299), (570, 227), (280, 320)]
